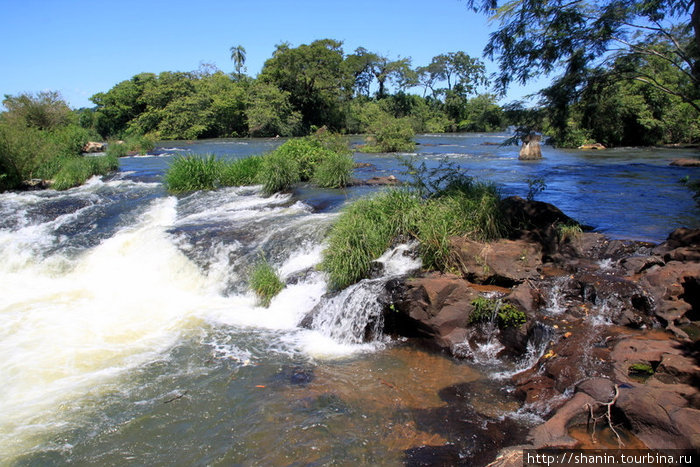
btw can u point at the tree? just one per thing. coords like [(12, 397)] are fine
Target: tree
[(399, 71), (238, 57), (540, 36), (359, 65), (315, 78)]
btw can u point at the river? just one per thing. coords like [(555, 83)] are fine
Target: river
[(128, 334)]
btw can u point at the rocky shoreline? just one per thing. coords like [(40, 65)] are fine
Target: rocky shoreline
[(616, 324)]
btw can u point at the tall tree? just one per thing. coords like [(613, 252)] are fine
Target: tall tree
[(238, 56)]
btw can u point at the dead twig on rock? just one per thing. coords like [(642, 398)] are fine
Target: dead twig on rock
[(607, 415)]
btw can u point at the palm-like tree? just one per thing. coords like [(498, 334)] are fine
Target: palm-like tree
[(238, 57)]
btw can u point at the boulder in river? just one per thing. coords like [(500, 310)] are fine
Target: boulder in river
[(530, 150)]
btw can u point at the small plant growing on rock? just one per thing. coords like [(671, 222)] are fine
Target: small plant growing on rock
[(505, 314), (640, 369), (265, 282), (568, 232)]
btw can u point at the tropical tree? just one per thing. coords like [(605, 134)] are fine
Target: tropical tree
[(238, 56)]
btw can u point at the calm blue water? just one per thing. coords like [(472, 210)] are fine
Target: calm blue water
[(624, 193)]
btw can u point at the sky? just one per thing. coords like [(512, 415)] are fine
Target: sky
[(82, 47)]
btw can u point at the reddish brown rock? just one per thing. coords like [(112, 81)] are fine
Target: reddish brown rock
[(508, 261)]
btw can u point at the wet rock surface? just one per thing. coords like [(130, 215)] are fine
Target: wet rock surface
[(610, 322)]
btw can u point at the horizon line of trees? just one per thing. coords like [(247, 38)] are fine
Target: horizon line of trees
[(299, 89)]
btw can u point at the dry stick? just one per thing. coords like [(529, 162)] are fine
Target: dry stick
[(607, 415)]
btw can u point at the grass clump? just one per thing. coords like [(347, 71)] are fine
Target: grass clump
[(241, 171), (334, 171), (323, 158), (265, 282), (363, 232), (505, 314), (191, 173), (75, 171), (366, 228), (278, 172), (569, 232)]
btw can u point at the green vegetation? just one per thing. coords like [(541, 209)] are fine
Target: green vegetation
[(40, 138), (279, 172), (640, 369), (265, 282), (191, 173), (569, 232), (334, 171), (505, 314), (322, 158), (390, 134), (632, 74), (241, 171), (367, 227)]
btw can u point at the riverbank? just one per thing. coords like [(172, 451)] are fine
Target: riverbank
[(609, 323)]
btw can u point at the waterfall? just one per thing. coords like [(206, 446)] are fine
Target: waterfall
[(354, 315)]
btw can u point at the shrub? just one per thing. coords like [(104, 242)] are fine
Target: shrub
[(241, 171), (191, 173), (334, 171), (265, 282), (391, 135), (117, 149), (278, 172)]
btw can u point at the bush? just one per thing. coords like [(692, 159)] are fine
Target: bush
[(241, 171), (265, 282), (191, 173), (334, 171), (391, 135)]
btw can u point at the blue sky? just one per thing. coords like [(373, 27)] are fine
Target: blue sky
[(81, 47)]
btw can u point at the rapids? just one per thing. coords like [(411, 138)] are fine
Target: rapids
[(128, 333)]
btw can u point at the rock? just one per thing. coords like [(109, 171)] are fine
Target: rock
[(93, 146), (526, 298), (530, 150), (554, 432), (389, 180), (675, 291), (660, 417), (596, 146), (600, 389), (502, 261), (435, 307), (675, 369), (685, 162)]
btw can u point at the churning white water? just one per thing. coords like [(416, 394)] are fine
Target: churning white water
[(75, 317)]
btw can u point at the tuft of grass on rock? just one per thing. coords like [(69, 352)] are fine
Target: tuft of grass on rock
[(75, 171), (241, 171), (367, 227), (334, 171), (192, 173), (278, 172), (265, 282)]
